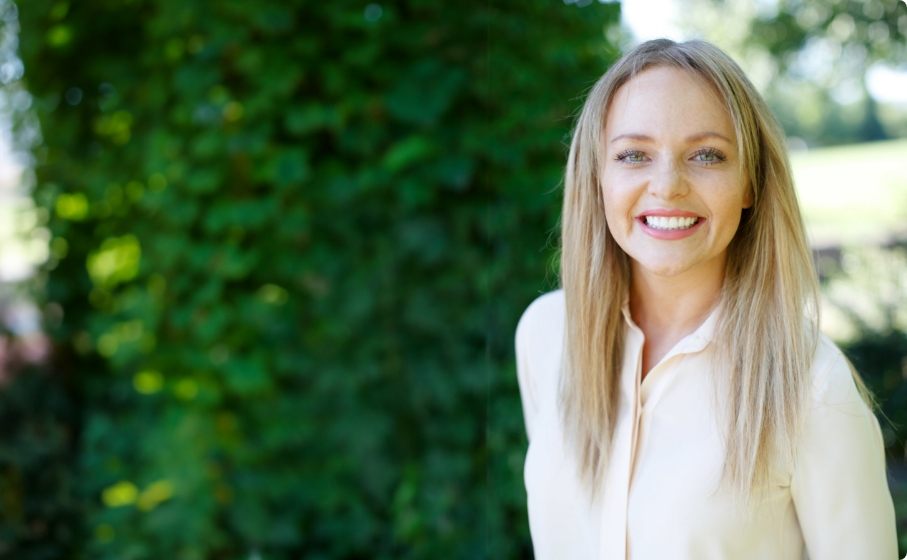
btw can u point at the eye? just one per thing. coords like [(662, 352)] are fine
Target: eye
[(631, 156), (709, 156)]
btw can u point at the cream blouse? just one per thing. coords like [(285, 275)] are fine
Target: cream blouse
[(661, 499)]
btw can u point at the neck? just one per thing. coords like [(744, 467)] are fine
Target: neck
[(673, 305)]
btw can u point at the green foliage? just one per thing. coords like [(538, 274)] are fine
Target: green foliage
[(811, 59), (882, 356), (291, 241), (873, 27), (40, 511), (848, 37)]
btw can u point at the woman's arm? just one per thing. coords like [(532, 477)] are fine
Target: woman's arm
[(539, 336), (524, 376), (839, 483)]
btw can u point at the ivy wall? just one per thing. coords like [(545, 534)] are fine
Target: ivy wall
[(290, 241)]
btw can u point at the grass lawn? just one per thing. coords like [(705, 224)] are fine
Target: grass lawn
[(852, 195)]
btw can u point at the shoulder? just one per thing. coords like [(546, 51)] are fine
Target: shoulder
[(833, 381), (539, 343), (838, 417), (839, 484), (543, 319)]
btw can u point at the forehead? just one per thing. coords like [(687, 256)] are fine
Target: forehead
[(663, 101)]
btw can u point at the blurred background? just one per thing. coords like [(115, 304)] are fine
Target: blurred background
[(261, 263)]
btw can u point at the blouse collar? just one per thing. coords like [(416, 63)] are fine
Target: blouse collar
[(696, 341)]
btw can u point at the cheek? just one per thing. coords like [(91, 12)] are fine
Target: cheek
[(727, 197), (617, 201), (731, 214), (615, 211)]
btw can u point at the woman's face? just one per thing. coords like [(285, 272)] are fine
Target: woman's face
[(671, 182)]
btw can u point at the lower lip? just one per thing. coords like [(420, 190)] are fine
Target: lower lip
[(670, 234)]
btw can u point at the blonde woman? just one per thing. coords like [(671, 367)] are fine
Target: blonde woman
[(678, 398)]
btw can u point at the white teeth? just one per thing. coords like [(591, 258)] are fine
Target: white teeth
[(674, 222)]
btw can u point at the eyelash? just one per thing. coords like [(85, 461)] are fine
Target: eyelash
[(626, 154), (711, 153), (716, 156)]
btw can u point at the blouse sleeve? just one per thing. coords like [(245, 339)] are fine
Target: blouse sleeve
[(524, 376), (839, 484), (539, 335)]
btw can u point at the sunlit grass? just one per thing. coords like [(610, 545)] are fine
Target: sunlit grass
[(855, 197), (853, 194)]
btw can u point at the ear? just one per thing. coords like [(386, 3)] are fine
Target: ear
[(748, 197)]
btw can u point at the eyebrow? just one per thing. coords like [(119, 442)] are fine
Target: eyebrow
[(694, 138)]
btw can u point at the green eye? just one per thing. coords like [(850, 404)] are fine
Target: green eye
[(631, 156), (709, 156)]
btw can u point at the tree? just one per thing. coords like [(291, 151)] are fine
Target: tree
[(848, 37), (290, 243), (812, 58)]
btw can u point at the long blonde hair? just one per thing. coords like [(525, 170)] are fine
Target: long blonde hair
[(767, 332)]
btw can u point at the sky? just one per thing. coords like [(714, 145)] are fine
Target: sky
[(651, 19)]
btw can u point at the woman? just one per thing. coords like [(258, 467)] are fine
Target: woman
[(678, 399)]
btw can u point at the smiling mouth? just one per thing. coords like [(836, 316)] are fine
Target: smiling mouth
[(671, 223)]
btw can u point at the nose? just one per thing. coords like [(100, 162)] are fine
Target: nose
[(667, 181)]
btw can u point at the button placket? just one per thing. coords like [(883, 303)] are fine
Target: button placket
[(634, 444), (613, 543), (642, 396)]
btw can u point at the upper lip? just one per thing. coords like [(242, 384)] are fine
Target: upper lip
[(668, 213)]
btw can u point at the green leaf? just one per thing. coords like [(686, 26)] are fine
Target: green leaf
[(406, 152), (424, 92)]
